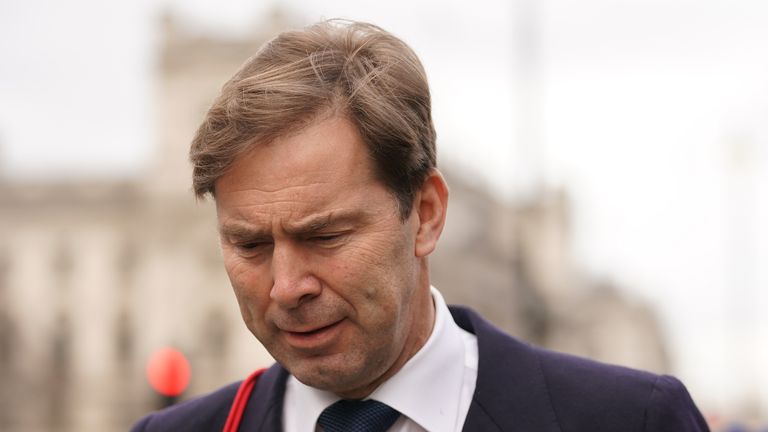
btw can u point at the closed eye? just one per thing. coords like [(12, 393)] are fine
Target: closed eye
[(327, 239), (250, 249), (251, 245)]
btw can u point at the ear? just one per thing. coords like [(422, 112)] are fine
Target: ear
[(430, 207)]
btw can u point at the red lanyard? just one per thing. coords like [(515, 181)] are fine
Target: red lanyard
[(240, 402)]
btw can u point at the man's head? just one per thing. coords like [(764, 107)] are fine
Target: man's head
[(354, 70), (320, 156)]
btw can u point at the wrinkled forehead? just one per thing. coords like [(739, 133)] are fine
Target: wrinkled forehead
[(325, 166), (330, 147)]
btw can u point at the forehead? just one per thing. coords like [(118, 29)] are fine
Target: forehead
[(330, 146), (321, 168)]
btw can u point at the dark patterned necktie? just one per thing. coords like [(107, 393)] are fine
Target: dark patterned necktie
[(358, 416)]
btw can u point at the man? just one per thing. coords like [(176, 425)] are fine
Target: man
[(320, 155)]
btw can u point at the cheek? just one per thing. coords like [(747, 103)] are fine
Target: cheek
[(249, 285), (373, 280), (356, 274), (382, 251)]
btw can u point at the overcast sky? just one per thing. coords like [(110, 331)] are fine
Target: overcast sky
[(651, 113)]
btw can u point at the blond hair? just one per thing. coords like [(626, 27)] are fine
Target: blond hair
[(353, 69)]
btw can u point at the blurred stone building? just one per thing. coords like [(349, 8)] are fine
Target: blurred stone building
[(96, 274)]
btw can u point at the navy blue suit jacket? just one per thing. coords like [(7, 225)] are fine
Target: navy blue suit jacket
[(519, 388)]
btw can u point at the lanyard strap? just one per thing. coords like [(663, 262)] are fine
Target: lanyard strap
[(241, 401)]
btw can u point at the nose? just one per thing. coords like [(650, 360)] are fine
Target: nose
[(292, 281)]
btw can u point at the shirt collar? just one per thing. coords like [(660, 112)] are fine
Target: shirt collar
[(436, 370)]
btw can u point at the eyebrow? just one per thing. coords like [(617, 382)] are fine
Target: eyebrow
[(239, 230), (312, 224), (320, 222)]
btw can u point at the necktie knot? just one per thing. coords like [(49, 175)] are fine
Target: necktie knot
[(358, 416)]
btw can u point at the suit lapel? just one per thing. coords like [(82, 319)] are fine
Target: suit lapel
[(265, 406), (511, 393)]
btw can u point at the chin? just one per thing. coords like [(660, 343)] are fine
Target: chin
[(337, 379)]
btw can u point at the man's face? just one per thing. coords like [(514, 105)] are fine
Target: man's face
[(322, 265)]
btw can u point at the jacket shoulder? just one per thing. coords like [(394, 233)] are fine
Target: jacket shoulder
[(205, 413), (530, 388), (622, 396)]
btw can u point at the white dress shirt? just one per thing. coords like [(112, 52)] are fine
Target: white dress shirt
[(432, 391)]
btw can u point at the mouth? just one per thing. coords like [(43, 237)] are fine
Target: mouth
[(315, 331), (314, 338)]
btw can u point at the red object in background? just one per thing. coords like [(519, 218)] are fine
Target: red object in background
[(168, 372)]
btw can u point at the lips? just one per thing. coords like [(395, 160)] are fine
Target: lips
[(313, 338), (310, 332)]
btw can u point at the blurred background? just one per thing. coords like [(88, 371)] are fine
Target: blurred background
[(607, 162)]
